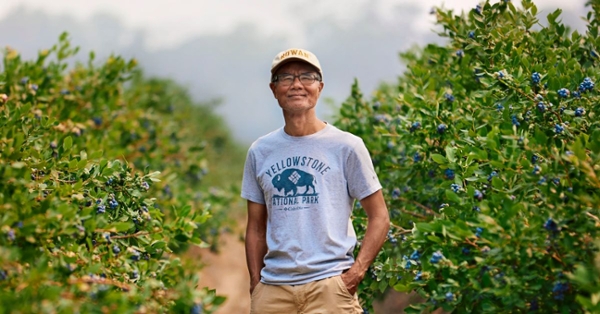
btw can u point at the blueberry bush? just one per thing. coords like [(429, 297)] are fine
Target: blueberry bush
[(105, 179), (488, 148)]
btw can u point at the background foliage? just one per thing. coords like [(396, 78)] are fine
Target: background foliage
[(488, 149), (105, 179)]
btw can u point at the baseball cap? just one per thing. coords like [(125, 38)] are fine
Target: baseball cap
[(295, 54)]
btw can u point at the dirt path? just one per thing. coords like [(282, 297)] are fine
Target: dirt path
[(227, 273)]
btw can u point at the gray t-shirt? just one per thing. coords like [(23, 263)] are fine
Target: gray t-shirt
[(309, 185)]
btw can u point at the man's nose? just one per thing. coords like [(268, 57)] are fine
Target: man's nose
[(296, 81)]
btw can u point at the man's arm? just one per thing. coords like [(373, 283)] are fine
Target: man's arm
[(378, 224), (256, 241)]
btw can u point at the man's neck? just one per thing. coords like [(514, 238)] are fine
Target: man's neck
[(302, 124)]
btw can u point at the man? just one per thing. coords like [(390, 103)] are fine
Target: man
[(300, 182)]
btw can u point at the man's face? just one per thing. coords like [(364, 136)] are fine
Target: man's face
[(297, 97)]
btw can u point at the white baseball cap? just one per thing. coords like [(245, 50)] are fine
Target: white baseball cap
[(295, 54)]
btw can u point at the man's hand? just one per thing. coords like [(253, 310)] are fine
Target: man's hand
[(256, 241), (351, 279), (253, 286), (378, 224)]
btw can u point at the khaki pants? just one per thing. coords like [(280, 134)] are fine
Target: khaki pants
[(327, 296)]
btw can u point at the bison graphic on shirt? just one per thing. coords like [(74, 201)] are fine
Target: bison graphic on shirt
[(291, 179)]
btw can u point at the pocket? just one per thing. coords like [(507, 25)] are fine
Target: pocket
[(258, 285), (343, 287)]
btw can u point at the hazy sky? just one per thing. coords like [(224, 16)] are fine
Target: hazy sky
[(222, 49), (173, 21)]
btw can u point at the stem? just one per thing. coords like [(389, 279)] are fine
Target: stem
[(429, 210)]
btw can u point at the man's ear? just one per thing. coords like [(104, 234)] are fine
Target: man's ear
[(273, 87)]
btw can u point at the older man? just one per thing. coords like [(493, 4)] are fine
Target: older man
[(300, 182)]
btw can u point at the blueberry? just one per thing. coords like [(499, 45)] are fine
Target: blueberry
[(541, 107), (449, 297), (563, 92), (478, 195), (542, 180), (460, 53), (415, 126), (478, 232), (97, 121), (407, 266), (576, 94), (449, 174), (579, 112), (558, 128), (64, 91), (116, 249), (536, 169), (113, 204), (441, 128), (551, 225), (376, 105), (449, 97), (3, 274), (534, 159), (134, 274), (135, 256), (455, 187), (34, 87), (556, 181), (586, 85), (196, 309), (416, 157), (395, 193), (535, 77), (466, 251), (101, 209), (500, 74), (499, 107), (99, 201), (107, 237), (436, 257), (472, 34), (478, 9), (492, 174), (514, 120), (144, 208), (381, 118), (476, 208), (415, 255), (418, 276), (24, 80), (11, 235)]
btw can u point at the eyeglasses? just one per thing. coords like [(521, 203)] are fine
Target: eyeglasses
[(288, 79)]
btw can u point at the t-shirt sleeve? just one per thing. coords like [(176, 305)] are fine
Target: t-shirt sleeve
[(251, 189), (360, 174)]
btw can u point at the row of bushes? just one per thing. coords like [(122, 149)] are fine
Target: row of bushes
[(489, 151), (104, 180)]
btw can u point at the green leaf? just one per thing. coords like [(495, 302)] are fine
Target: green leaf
[(450, 154), (439, 159), (67, 143)]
